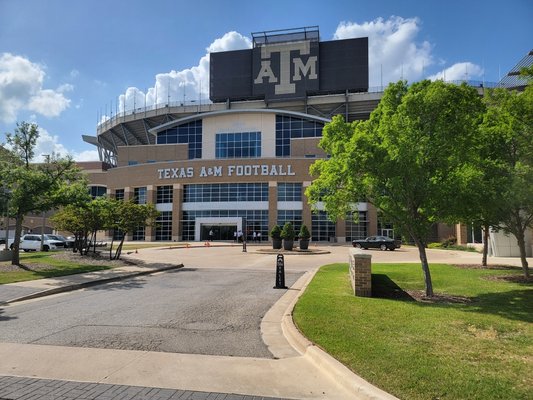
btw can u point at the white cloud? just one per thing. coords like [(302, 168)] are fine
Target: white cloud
[(392, 48), (186, 84), (458, 72), (48, 102), (21, 87), (48, 144)]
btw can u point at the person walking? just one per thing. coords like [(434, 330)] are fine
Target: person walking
[(211, 235)]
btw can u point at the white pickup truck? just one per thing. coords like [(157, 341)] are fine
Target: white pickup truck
[(32, 242)]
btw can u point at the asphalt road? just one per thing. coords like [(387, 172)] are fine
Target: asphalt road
[(196, 311)]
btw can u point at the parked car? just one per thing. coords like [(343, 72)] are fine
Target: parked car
[(377, 242), (68, 243), (32, 242)]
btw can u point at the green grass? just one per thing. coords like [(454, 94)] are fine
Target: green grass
[(476, 350), (57, 268)]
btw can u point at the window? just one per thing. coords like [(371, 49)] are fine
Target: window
[(238, 145), (164, 194), (356, 230), (119, 194), (139, 195), (289, 192), (190, 133), (322, 227), (292, 216), (97, 191), (288, 128), (163, 230), (133, 162), (225, 192), (138, 234)]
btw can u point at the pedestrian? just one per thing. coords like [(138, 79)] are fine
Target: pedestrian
[(235, 236), (259, 237), (255, 236), (211, 235)]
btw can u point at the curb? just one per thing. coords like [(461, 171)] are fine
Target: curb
[(72, 287), (325, 362)]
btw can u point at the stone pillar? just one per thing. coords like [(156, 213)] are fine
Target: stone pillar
[(177, 199), (372, 218), (272, 205), (151, 198), (340, 230), (360, 273), (128, 195)]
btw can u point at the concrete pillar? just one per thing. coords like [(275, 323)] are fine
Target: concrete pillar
[(177, 200), (151, 198), (360, 270), (272, 205), (372, 218), (340, 231)]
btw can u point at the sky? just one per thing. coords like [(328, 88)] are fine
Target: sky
[(67, 65)]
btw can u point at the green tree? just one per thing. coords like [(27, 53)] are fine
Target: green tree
[(34, 187), (415, 159), (127, 217), (508, 125)]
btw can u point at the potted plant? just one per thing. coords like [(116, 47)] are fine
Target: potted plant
[(304, 236), (275, 234), (288, 234)]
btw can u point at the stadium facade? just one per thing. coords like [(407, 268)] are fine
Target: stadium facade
[(241, 161)]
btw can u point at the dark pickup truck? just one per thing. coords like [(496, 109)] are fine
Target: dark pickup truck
[(377, 242)]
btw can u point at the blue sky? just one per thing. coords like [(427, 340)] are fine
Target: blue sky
[(64, 62)]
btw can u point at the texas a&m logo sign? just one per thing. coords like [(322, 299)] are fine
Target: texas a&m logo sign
[(285, 69)]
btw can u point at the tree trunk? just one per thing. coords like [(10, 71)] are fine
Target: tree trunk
[(425, 266), (485, 244), (15, 260), (522, 246)]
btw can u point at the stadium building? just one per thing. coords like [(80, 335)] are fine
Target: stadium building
[(241, 161)]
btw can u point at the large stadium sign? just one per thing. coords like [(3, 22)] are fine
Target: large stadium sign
[(285, 69), (291, 69)]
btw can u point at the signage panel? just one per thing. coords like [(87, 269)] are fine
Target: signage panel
[(290, 70)]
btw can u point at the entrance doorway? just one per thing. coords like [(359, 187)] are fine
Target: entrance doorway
[(223, 227), (220, 232)]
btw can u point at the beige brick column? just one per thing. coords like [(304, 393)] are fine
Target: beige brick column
[(360, 273), (272, 205), (177, 200), (151, 198), (372, 217), (128, 195), (340, 231)]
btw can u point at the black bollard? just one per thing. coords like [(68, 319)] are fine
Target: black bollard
[(280, 272)]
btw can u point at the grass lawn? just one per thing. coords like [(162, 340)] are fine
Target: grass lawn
[(480, 347), (52, 267)]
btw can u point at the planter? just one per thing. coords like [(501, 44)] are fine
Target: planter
[(288, 244), (276, 243), (304, 244)]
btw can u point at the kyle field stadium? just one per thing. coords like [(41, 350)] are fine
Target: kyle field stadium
[(241, 161)]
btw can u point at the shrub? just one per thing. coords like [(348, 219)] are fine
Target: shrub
[(275, 233), (304, 232), (288, 231)]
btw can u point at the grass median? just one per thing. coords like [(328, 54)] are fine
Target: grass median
[(38, 265), (473, 342)]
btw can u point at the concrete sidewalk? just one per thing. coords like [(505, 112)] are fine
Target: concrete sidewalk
[(16, 292)]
